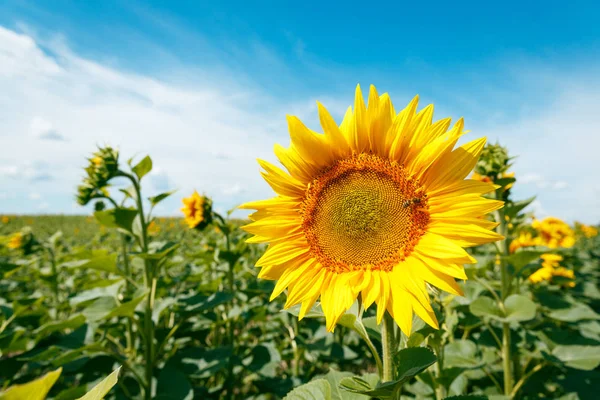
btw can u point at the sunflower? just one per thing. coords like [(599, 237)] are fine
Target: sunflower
[(551, 268), (586, 230), (197, 211), (377, 207), (554, 232), (525, 239), (16, 241)]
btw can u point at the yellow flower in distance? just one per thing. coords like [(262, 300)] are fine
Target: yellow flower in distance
[(542, 274), (197, 211), (153, 228), (5, 220), (551, 268), (551, 260), (587, 230), (16, 241), (554, 232), (525, 239), (377, 206)]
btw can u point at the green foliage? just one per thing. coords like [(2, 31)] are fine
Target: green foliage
[(184, 315)]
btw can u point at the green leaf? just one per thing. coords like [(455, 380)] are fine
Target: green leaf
[(159, 250), (86, 295), (412, 361), (517, 308), (104, 263), (173, 385), (486, 307), (154, 200), (337, 391), (101, 389), (585, 358), (34, 390), (358, 385), (512, 209), (143, 167), (577, 312), (56, 326), (318, 389), (522, 258), (121, 218), (409, 363), (462, 354), (466, 397), (99, 308), (126, 309)]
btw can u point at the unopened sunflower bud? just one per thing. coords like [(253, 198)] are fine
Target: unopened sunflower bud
[(85, 193), (494, 162), (103, 166)]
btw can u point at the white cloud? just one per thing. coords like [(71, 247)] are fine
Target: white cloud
[(34, 196), (204, 135), (43, 129), (541, 182)]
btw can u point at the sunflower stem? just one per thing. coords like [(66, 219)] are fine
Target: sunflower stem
[(388, 346), (150, 283), (505, 278)]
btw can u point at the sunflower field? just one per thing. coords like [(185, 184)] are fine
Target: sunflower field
[(391, 262)]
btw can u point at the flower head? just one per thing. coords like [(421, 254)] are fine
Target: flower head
[(525, 239), (554, 232), (551, 268), (586, 230), (197, 211), (16, 241), (5, 220), (377, 207), (102, 167)]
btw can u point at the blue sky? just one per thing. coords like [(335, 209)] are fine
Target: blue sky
[(203, 87)]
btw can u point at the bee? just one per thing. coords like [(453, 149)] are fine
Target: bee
[(411, 202)]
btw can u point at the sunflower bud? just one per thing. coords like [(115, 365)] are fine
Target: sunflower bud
[(197, 211), (103, 166), (85, 192), (493, 163)]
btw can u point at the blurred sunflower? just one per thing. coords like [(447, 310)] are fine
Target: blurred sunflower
[(153, 228), (5, 220), (554, 232), (16, 241), (551, 268), (197, 211), (377, 207), (525, 239), (587, 230)]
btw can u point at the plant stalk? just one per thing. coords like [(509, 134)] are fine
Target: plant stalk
[(150, 283), (505, 280), (127, 272), (388, 346)]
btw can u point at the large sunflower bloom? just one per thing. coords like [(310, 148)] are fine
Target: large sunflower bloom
[(377, 207)]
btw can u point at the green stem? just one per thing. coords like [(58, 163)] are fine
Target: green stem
[(230, 323), (505, 278), (54, 279), (127, 272), (150, 282), (388, 346)]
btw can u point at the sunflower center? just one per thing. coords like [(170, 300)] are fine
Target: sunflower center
[(364, 213)]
